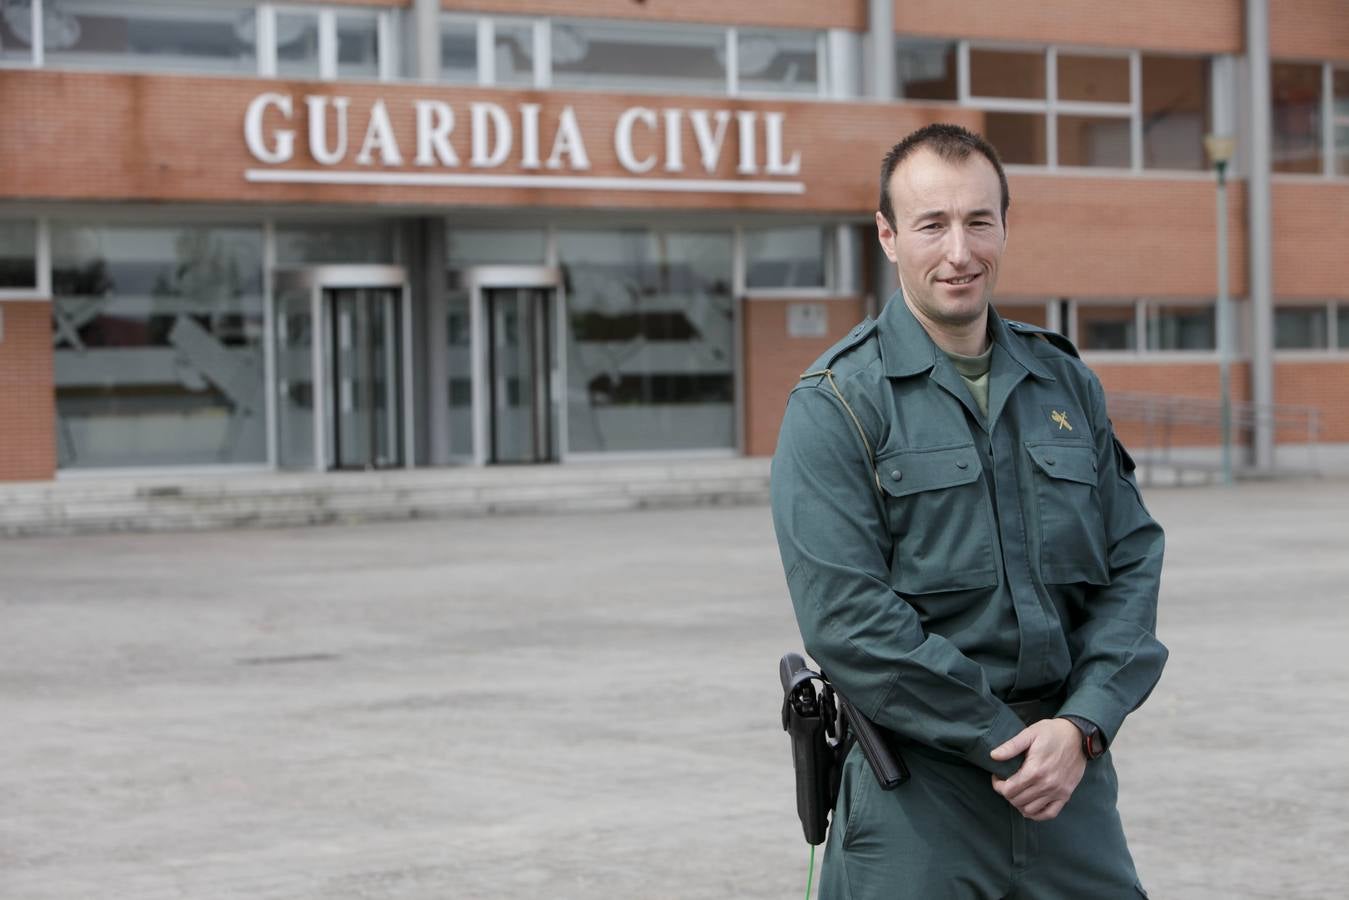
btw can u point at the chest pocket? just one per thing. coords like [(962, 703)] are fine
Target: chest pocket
[(1072, 529), (939, 519)]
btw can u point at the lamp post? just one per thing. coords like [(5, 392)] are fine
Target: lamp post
[(1220, 149)]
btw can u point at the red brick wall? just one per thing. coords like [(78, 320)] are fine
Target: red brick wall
[(1309, 29), (781, 13), (1195, 26), (1323, 384), (27, 403), (1309, 239), (1123, 237), (774, 361), (86, 136)]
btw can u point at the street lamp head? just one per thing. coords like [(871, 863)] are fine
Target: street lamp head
[(1220, 148)]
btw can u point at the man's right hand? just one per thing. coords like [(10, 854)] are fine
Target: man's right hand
[(1049, 774)]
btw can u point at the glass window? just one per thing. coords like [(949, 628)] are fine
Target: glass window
[(18, 254), (158, 352), (925, 69), (1301, 328), (513, 48), (1295, 91), (1093, 141), (1031, 314), (297, 44), (491, 246), (650, 362), (117, 34), (1093, 79), (357, 45), (1017, 74), (16, 32), (1018, 137), (639, 56), (458, 51), (1342, 326), (1341, 83), (1175, 113), (1181, 327), (1112, 327), (361, 242), (778, 62), (785, 257)]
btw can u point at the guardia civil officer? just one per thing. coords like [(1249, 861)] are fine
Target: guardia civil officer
[(970, 562)]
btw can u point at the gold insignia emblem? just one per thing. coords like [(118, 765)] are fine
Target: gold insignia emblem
[(1060, 419)]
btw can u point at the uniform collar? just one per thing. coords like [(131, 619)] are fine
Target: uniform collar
[(906, 349)]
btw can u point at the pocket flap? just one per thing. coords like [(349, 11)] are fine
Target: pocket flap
[(1064, 461), (904, 472)]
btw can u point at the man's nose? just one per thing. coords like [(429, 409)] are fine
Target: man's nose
[(957, 247)]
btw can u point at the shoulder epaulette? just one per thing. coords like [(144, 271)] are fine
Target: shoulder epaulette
[(1052, 337), (859, 333)]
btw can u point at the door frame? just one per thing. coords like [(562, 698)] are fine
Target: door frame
[(478, 280), (318, 279)]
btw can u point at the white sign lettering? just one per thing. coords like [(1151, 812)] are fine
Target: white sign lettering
[(645, 139)]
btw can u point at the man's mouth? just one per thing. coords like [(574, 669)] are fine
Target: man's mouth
[(961, 281)]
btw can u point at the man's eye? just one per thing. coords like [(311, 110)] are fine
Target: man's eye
[(981, 224), (931, 226)]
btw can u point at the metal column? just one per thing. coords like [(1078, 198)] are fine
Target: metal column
[(1260, 220)]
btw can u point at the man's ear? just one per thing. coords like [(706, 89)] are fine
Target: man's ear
[(885, 235)]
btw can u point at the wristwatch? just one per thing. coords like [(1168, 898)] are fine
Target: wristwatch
[(1093, 741)]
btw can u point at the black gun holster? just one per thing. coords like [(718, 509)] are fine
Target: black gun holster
[(823, 726)]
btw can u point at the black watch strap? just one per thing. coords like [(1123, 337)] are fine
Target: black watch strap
[(1093, 740)]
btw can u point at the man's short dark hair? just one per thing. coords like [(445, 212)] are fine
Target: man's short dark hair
[(952, 144)]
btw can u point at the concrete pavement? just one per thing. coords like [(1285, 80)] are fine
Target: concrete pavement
[(585, 706)]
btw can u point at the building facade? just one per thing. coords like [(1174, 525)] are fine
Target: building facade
[(300, 235)]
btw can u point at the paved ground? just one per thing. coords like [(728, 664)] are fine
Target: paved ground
[(583, 707)]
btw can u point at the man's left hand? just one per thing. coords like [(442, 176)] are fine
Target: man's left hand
[(1050, 773)]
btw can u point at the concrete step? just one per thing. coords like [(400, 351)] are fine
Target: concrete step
[(83, 505)]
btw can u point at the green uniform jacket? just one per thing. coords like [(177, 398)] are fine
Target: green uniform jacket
[(942, 565)]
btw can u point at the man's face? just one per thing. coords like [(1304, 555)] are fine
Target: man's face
[(948, 236)]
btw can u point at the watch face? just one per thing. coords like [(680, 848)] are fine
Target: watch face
[(1094, 743)]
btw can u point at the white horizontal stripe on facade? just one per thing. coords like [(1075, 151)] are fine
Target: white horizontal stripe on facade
[(568, 182)]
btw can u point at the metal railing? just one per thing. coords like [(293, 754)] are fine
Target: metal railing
[(1161, 417)]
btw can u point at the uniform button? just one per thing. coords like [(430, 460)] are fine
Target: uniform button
[(896, 475), (1049, 460), (961, 464)]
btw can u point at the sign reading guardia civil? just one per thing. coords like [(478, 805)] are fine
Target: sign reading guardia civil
[(552, 150)]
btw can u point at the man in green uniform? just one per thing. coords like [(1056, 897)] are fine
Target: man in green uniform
[(971, 564)]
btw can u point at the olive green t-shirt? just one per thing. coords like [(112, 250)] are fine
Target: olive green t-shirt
[(974, 372)]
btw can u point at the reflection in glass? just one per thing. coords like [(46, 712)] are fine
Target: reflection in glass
[(1018, 137), (494, 246), (357, 45), (360, 242), (778, 61), (514, 52), (1016, 74), (297, 44), (117, 34), (1181, 327), (649, 336), (639, 56), (1031, 314), (458, 51), (1341, 113), (1107, 327), (18, 254), (1300, 328), (1093, 141), (158, 345), (294, 378), (785, 257), (1093, 79), (1175, 112), (365, 373), (925, 69), (1295, 91)]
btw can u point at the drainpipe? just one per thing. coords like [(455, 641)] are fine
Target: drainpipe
[(1260, 217), (426, 27)]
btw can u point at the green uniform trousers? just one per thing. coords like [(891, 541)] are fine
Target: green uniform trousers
[(945, 835)]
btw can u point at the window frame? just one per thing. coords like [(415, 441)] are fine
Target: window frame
[(327, 30), (829, 264), (1141, 352), (1330, 121), (42, 269)]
